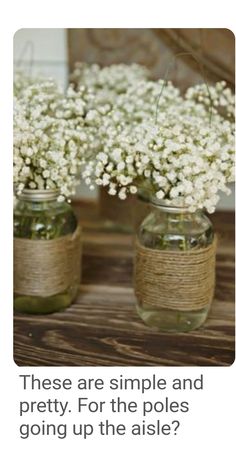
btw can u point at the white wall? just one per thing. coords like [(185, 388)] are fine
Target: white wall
[(42, 51), (46, 54)]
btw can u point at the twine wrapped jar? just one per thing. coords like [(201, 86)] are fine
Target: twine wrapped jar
[(174, 272), (47, 253)]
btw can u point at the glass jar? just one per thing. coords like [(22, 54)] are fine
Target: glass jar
[(46, 253), (174, 258), (141, 208)]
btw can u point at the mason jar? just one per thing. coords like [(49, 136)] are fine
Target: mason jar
[(141, 207), (47, 252), (174, 273)]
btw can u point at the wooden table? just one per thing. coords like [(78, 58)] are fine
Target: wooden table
[(102, 327)]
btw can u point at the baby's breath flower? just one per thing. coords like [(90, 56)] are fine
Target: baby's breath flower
[(177, 151), (48, 137)]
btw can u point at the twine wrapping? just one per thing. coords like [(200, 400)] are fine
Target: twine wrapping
[(47, 267), (176, 280)]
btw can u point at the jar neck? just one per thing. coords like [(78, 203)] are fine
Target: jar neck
[(39, 196), (163, 205), (175, 213), (174, 209)]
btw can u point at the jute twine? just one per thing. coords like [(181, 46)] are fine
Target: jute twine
[(177, 280), (47, 267)]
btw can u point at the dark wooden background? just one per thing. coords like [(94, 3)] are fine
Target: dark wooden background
[(102, 327), (155, 48)]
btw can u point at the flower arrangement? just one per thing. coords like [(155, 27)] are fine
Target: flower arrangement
[(49, 138), (49, 143), (130, 133), (184, 155)]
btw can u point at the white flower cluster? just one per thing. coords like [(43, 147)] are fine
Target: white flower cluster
[(104, 90), (115, 78), (22, 80), (49, 138), (179, 155), (219, 98), (143, 101), (118, 96)]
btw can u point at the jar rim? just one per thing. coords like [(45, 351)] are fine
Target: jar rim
[(168, 207), (39, 195)]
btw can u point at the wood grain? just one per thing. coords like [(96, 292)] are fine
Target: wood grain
[(102, 327)]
